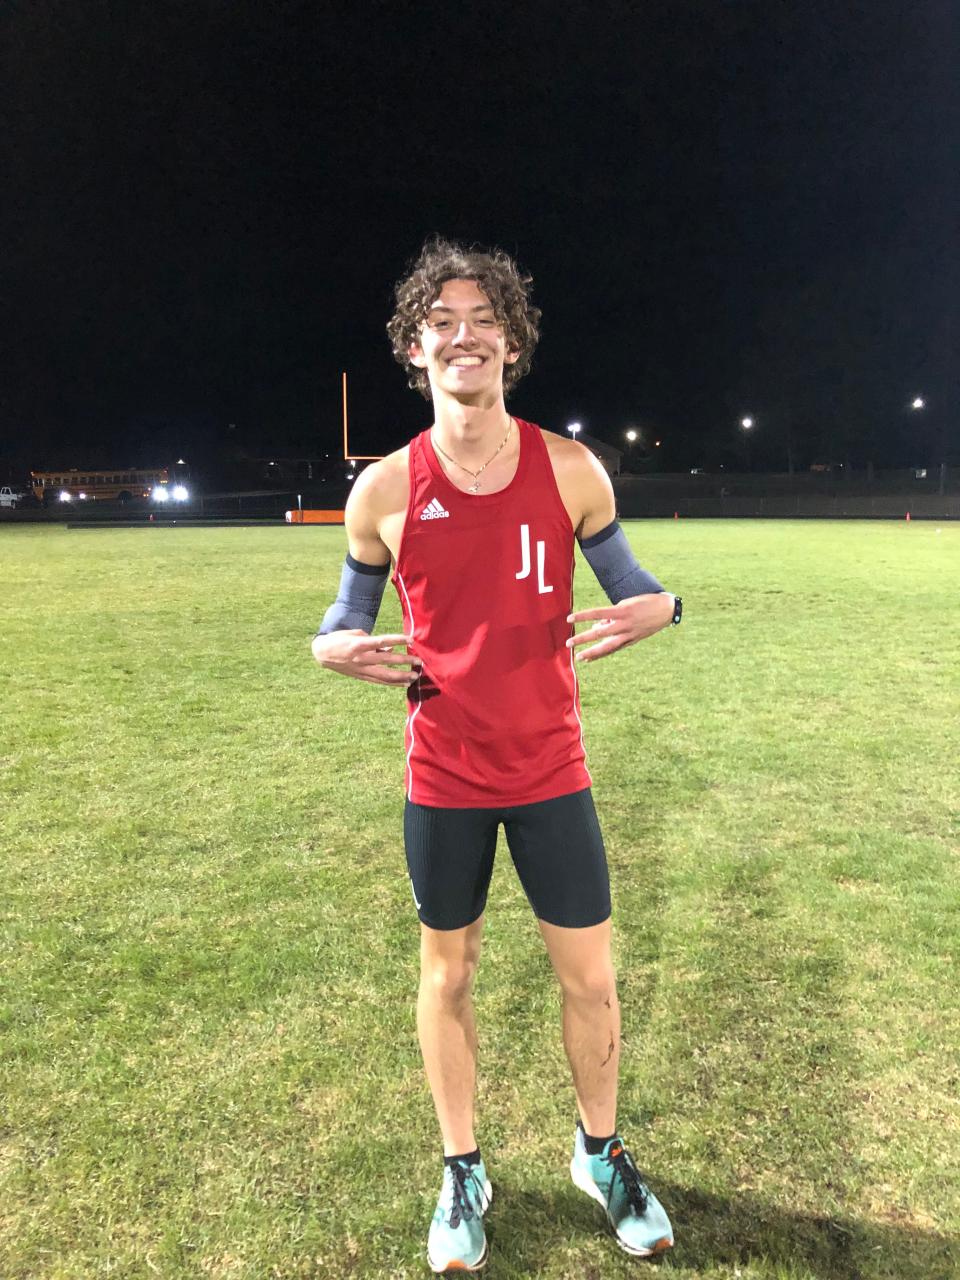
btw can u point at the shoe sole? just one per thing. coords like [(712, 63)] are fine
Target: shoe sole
[(585, 1183), (455, 1264)]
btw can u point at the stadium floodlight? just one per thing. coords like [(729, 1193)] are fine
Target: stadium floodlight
[(65, 496), (160, 493), (573, 428), (180, 493), (82, 497), (746, 423), (918, 403), (631, 435)]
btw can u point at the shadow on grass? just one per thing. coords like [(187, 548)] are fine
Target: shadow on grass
[(714, 1231)]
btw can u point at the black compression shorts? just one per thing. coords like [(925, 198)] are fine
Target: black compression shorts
[(556, 848)]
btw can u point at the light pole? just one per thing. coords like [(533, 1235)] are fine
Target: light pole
[(630, 436), (746, 425), (574, 428), (917, 404), (179, 489)]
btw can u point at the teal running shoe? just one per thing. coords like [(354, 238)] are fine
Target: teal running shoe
[(457, 1241), (638, 1218)]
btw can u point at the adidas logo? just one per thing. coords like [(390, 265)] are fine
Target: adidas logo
[(434, 511)]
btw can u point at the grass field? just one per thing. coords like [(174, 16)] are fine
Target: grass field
[(208, 1057)]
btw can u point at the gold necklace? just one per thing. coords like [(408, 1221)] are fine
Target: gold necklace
[(475, 487)]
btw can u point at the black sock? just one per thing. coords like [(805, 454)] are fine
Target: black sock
[(594, 1146), (472, 1157)]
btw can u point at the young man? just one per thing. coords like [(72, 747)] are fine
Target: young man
[(478, 516)]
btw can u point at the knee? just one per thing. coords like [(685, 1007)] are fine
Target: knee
[(591, 986), (448, 980)]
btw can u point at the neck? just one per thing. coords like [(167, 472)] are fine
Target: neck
[(469, 429)]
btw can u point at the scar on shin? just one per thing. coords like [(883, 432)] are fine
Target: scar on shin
[(607, 1002), (609, 1053)]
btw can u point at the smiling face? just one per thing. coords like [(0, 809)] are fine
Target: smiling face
[(462, 346)]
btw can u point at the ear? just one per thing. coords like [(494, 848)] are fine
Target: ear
[(511, 355), (416, 356)]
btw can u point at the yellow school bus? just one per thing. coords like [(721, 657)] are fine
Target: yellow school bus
[(78, 485)]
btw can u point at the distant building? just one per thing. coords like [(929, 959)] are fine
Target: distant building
[(284, 472), (608, 455), (287, 472)]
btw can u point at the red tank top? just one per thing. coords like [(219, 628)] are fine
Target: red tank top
[(485, 583)]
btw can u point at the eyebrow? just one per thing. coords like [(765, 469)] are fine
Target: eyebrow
[(483, 306)]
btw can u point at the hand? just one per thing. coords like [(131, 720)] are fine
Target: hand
[(370, 658), (617, 625)]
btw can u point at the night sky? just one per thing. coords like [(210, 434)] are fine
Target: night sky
[(727, 208)]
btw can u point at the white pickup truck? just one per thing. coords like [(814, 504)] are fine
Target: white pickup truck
[(9, 497)]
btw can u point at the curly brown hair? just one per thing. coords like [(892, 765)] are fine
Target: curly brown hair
[(495, 273)]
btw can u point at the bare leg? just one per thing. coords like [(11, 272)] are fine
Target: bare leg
[(591, 1019), (447, 1029)]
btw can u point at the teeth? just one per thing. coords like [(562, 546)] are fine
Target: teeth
[(467, 360)]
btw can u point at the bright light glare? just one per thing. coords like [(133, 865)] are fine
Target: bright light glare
[(573, 428), (631, 435), (350, 475), (180, 493), (656, 444), (918, 403), (160, 494), (65, 497), (81, 496), (747, 423)]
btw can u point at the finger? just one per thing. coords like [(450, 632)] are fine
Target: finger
[(389, 658), (600, 632), (383, 675), (383, 642), (590, 615), (610, 645)]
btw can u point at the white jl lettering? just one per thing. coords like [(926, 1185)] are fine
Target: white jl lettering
[(541, 557), (542, 587), (524, 551)]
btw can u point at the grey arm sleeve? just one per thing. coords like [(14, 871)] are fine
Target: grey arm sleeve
[(358, 600), (609, 556)]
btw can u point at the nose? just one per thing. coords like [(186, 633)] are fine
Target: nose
[(464, 335)]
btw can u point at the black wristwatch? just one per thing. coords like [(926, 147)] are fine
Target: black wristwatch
[(677, 611)]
